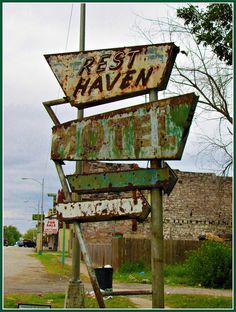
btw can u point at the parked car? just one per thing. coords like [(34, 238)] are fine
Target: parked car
[(20, 243), (29, 243)]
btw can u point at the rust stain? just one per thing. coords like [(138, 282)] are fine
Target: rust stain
[(147, 131), (101, 76)]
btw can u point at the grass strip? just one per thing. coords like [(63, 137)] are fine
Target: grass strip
[(54, 267), (197, 301), (56, 300)]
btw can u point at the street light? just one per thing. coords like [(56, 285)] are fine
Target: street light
[(37, 210), (40, 242)]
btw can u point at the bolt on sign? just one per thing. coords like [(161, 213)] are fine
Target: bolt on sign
[(156, 130), (141, 179), (90, 78), (105, 210)]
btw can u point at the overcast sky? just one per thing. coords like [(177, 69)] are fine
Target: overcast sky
[(31, 30)]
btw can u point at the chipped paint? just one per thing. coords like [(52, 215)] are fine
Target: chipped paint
[(115, 209), (141, 179), (90, 78), (156, 130)]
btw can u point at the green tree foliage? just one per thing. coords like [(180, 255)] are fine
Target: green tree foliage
[(31, 234), (211, 265), (11, 234), (212, 27), (198, 68)]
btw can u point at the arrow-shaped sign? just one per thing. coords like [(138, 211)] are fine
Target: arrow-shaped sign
[(118, 181), (147, 131), (104, 210), (95, 77)]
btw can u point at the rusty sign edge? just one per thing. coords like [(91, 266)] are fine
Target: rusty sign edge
[(108, 215), (166, 74), (190, 96), (156, 178)]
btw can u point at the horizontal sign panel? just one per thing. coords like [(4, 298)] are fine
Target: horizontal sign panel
[(115, 209), (148, 131), (96, 77), (141, 179), (36, 217)]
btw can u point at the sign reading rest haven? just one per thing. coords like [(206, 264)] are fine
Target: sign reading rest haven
[(94, 77)]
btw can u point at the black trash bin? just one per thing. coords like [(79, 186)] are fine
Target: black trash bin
[(104, 277)]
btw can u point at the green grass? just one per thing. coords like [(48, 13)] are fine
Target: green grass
[(129, 273), (174, 274), (56, 300), (197, 301), (50, 261), (133, 273)]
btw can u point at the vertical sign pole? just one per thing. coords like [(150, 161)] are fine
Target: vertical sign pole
[(75, 292), (63, 243), (79, 164), (157, 236)]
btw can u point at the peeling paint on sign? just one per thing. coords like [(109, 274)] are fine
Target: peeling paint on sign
[(141, 179), (156, 130), (115, 209), (95, 77)]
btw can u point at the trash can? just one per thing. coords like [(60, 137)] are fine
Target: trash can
[(104, 277)]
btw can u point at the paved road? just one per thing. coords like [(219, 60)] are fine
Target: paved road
[(25, 274)]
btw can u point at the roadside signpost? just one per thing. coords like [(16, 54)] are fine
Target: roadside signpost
[(153, 131)]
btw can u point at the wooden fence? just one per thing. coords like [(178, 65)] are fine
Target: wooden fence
[(101, 254), (123, 250)]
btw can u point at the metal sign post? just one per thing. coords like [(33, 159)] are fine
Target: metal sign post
[(157, 243), (75, 296), (152, 131)]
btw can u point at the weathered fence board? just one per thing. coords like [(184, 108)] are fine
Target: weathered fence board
[(134, 250), (124, 250), (101, 254)]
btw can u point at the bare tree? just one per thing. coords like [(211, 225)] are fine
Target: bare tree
[(198, 69)]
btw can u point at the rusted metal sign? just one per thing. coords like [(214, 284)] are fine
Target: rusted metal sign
[(90, 78), (115, 209), (147, 131), (141, 179)]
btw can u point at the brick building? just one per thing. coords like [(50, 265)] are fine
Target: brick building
[(199, 203)]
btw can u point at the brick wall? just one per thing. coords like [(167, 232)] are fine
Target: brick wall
[(199, 203)]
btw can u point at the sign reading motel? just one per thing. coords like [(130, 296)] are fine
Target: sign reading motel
[(90, 78), (147, 131)]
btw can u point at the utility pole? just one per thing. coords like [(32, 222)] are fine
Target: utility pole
[(40, 236), (157, 235), (75, 292)]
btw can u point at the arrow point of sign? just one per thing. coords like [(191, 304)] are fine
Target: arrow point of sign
[(173, 178)]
